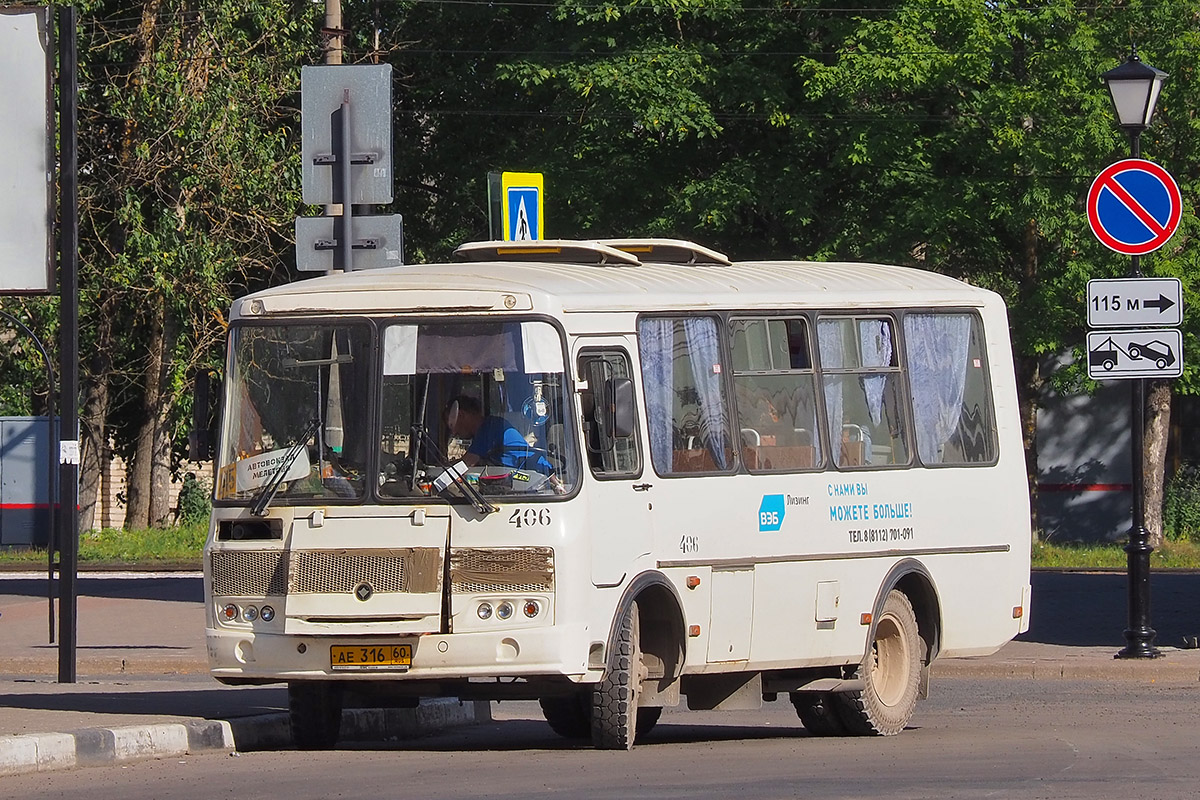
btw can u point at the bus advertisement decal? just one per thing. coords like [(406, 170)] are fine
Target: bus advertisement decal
[(770, 513)]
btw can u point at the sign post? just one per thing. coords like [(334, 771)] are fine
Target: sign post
[(1134, 207), (346, 153)]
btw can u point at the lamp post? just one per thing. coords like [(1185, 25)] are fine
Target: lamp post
[(1134, 87)]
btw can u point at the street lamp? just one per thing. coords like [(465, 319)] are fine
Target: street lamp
[(1134, 87)]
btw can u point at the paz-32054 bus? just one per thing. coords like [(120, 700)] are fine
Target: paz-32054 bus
[(704, 482)]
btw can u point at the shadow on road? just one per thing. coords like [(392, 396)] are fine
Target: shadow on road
[(181, 588), (1089, 609), (516, 735), (215, 703)]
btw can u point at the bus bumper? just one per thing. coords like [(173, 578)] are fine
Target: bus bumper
[(559, 651)]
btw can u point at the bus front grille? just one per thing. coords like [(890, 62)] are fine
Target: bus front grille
[(483, 570), (248, 573), (258, 573)]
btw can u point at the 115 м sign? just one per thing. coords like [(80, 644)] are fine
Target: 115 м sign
[(1144, 307)]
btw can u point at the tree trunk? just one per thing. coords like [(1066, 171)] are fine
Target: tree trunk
[(149, 475), (1029, 383), (94, 429), (1029, 375), (1154, 457)]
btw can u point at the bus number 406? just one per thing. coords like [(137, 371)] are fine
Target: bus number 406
[(529, 517)]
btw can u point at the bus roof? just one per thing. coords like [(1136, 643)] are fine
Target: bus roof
[(553, 287)]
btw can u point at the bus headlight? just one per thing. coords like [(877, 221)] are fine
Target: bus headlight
[(484, 611), (249, 613), (266, 614), (504, 610)]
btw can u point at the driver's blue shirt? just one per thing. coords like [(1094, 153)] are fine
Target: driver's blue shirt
[(498, 442)]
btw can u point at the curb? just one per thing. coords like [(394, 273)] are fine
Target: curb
[(46, 752), (1175, 666)]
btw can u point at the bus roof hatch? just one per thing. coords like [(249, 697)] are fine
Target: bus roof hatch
[(556, 250), (669, 251)]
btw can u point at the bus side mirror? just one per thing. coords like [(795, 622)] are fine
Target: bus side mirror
[(618, 407), (199, 438)]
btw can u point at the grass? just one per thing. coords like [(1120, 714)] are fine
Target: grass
[(147, 547), (1173, 554)]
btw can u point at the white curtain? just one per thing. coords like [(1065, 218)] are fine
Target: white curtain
[(937, 346), (875, 350), (655, 339), (705, 355), (829, 341)]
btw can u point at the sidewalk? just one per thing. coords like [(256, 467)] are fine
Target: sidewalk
[(143, 688)]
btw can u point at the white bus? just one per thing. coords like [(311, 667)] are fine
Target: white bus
[(614, 477)]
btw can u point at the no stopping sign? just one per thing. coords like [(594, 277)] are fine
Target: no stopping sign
[(1134, 207)]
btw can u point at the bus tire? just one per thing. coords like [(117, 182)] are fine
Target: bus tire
[(615, 698), (315, 712), (570, 716), (891, 674), (819, 713)]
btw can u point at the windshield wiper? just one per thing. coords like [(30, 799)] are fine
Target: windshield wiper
[(455, 473), (266, 493)]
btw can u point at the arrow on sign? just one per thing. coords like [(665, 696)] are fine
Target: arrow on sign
[(1162, 303)]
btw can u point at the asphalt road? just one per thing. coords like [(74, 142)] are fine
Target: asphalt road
[(972, 739)]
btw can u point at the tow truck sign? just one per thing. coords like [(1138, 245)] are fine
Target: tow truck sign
[(1149, 353)]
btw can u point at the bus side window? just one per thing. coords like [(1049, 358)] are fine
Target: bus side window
[(775, 394), (864, 404), (951, 393), (611, 452), (688, 417)]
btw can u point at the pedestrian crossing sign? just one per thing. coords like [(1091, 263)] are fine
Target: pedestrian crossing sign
[(522, 206)]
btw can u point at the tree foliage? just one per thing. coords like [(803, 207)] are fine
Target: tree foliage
[(952, 135)]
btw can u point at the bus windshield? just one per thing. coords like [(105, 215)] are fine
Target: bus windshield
[(481, 402)]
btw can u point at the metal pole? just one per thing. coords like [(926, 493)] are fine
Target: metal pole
[(1139, 636), (68, 470), (333, 31)]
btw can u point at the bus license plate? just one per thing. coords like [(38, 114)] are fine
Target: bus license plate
[(375, 656)]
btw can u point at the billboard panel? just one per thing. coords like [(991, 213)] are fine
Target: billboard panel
[(27, 129)]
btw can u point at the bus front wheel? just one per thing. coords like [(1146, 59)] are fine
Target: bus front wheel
[(615, 698), (315, 712), (891, 674)]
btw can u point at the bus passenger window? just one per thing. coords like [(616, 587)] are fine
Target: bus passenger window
[(775, 394), (951, 394), (863, 400), (687, 413)]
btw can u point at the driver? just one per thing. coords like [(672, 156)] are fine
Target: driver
[(493, 439)]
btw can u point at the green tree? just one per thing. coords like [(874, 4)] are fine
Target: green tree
[(189, 184)]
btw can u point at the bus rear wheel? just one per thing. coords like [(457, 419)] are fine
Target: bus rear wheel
[(315, 712), (819, 713), (615, 698), (891, 674), (570, 716)]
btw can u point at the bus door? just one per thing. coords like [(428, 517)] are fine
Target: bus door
[(618, 495)]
